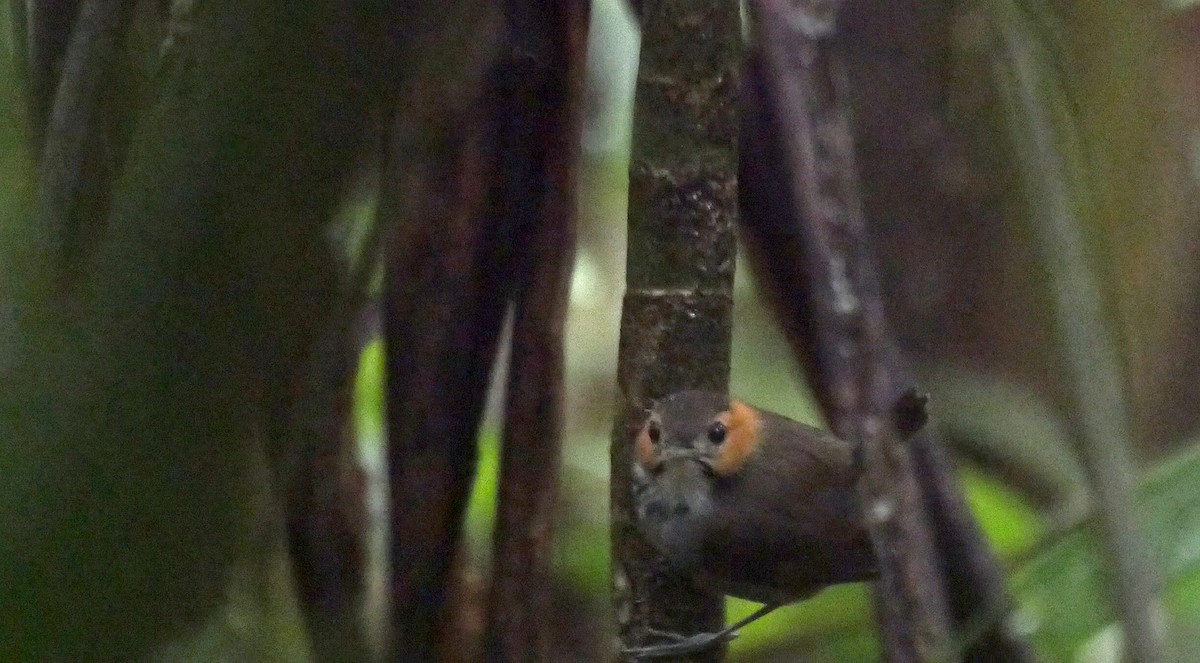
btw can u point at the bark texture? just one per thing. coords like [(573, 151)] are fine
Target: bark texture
[(676, 318)]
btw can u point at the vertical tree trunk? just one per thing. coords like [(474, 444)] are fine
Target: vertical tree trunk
[(676, 320)]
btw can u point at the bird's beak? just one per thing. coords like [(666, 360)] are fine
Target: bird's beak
[(673, 454)]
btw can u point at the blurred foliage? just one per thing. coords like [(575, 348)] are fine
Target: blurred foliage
[(16, 162), (1008, 428), (1059, 577), (261, 621), (1064, 602)]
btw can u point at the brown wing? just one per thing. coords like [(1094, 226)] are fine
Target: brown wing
[(789, 523)]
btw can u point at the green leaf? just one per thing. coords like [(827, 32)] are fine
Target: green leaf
[(840, 609), (1009, 522), (1064, 594), (481, 510), (368, 393)]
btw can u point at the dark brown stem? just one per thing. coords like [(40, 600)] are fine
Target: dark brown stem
[(675, 326), (323, 483), (326, 512), (974, 580), (804, 222), (443, 308), (896, 55), (540, 114)]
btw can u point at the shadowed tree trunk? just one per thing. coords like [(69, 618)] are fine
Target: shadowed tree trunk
[(444, 306)]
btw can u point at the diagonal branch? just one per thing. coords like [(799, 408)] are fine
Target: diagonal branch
[(805, 227), (1090, 358), (895, 52)]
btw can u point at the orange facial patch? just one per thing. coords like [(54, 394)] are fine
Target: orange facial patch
[(644, 448), (744, 425)]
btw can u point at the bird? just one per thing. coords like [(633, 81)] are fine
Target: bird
[(750, 503)]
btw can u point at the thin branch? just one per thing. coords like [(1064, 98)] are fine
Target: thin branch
[(675, 325), (974, 580), (895, 54), (804, 221)]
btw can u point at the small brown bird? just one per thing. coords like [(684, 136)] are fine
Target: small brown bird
[(747, 502)]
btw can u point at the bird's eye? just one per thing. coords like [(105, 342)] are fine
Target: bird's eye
[(654, 433), (717, 432)]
